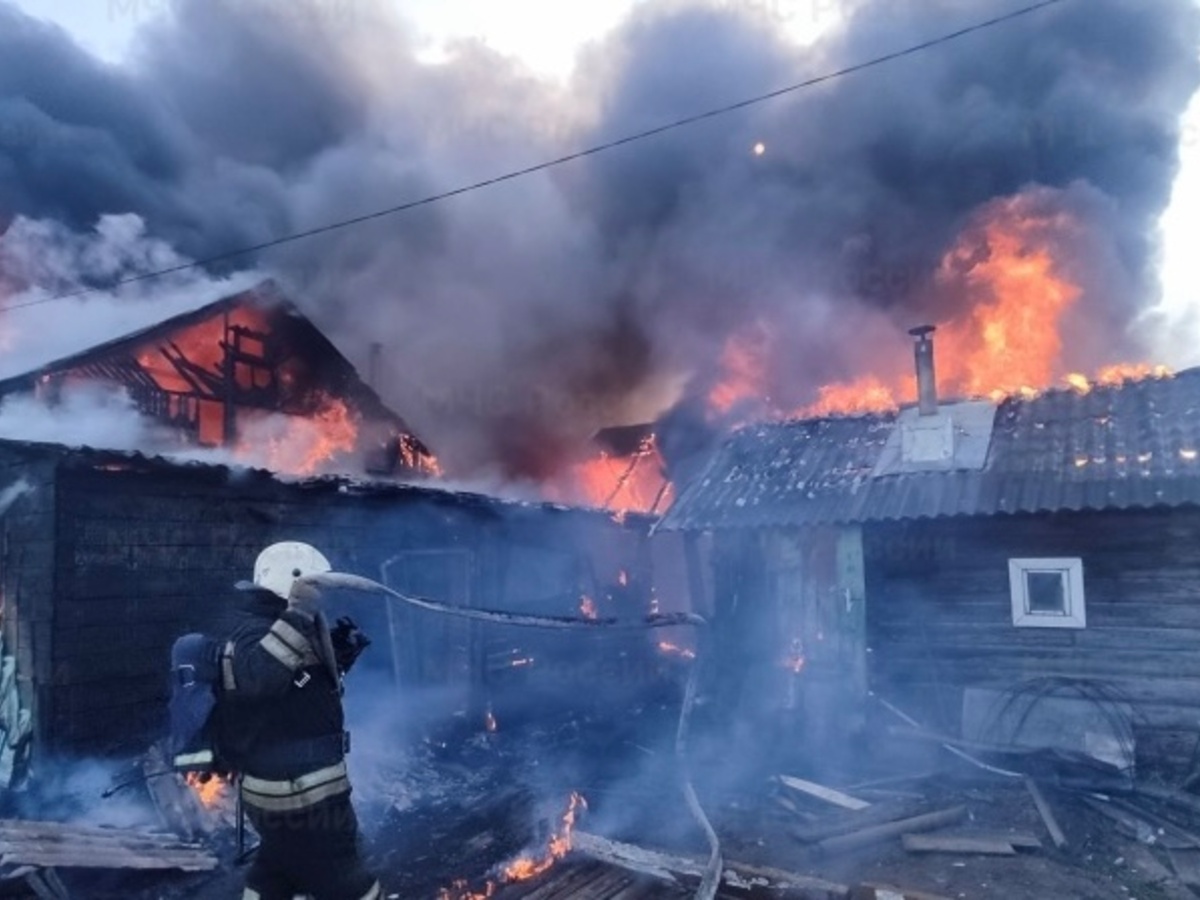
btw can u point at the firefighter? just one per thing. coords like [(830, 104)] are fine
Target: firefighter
[(281, 727)]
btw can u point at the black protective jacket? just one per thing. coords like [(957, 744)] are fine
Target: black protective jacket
[(280, 714)]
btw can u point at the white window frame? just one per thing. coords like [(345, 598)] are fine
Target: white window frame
[(1070, 569)]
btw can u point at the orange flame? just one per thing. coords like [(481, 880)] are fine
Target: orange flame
[(587, 607), (1007, 269), (301, 445), (210, 790), (490, 723), (524, 868), (634, 483)]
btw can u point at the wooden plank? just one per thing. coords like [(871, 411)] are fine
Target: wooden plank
[(984, 846), (879, 833), (737, 874), (829, 795), (846, 822), (1047, 814)]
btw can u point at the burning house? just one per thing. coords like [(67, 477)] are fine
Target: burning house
[(949, 552), (249, 374), (109, 556)]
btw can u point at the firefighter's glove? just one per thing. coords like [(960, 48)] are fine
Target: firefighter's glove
[(304, 598), (348, 643)]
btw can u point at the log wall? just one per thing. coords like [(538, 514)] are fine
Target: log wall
[(940, 618), (133, 555)]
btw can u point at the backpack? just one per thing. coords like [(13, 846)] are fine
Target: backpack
[(195, 691)]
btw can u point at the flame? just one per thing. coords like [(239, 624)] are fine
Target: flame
[(524, 868), (623, 578), (863, 395), (676, 650), (210, 790), (301, 445), (490, 723), (587, 607), (623, 484), (1007, 269)]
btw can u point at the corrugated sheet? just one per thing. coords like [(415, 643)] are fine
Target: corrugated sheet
[(1136, 445)]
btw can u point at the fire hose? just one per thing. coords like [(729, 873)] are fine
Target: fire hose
[(712, 874)]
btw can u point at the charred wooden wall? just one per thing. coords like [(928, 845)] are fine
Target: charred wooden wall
[(120, 557), (27, 572), (939, 610)]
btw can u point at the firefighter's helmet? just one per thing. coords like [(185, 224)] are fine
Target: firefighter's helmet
[(281, 564)]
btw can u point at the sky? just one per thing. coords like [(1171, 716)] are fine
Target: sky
[(547, 35)]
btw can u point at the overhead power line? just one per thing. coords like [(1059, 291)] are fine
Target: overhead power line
[(570, 157)]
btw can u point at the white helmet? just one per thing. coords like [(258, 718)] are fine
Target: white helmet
[(281, 564)]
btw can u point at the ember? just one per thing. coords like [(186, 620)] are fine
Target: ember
[(676, 650), (587, 608)]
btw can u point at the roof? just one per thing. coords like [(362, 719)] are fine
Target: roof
[(265, 296), (1136, 445), (205, 473)]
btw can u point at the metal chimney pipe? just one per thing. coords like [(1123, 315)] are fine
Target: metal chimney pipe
[(927, 400)]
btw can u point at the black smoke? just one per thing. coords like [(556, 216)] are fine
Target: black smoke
[(518, 319)]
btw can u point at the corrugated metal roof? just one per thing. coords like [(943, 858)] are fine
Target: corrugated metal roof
[(1118, 447)]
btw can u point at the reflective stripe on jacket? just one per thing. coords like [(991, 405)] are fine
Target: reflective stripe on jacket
[(294, 794)]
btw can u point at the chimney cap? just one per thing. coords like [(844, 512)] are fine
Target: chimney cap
[(922, 331)]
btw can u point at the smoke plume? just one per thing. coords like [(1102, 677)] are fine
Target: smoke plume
[(518, 319)]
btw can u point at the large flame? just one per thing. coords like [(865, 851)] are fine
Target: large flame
[(524, 867), (1007, 275)]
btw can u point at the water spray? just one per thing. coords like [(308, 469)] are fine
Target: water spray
[(712, 875)]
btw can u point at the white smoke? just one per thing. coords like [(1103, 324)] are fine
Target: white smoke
[(42, 259), (85, 415)]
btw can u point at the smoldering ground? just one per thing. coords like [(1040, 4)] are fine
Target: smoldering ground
[(603, 290)]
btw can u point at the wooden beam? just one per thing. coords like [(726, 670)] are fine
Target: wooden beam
[(949, 843), (1047, 814), (879, 833)]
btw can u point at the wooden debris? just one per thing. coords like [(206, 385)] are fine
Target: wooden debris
[(1146, 864), (1168, 834), (845, 822), (1021, 840), (829, 795), (1186, 864), (950, 843), (880, 833), (669, 867), (887, 892), (1128, 824), (1047, 814), (50, 845)]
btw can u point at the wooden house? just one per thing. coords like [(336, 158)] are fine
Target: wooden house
[(106, 557), (954, 550), (210, 375)]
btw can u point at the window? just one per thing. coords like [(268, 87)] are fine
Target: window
[(1047, 593)]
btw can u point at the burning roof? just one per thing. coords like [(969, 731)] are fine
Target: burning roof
[(247, 372), (1132, 445)]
